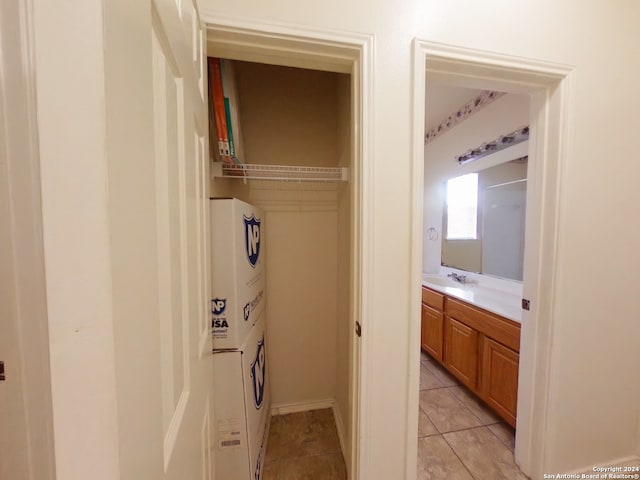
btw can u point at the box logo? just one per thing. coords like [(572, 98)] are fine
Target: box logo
[(258, 374), (252, 238), (218, 306), (219, 323)]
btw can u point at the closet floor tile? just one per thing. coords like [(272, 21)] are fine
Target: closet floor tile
[(307, 433), (314, 467), (302, 446)]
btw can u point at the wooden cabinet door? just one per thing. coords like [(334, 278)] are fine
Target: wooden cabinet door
[(432, 331), (500, 378), (461, 351)]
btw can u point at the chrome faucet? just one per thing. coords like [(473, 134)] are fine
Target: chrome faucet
[(458, 278)]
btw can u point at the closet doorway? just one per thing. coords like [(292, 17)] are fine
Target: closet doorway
[(279, 46)]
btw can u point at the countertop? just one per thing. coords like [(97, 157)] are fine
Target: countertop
[(500, 302)]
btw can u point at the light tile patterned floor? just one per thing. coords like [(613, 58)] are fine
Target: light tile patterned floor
[(459, 438), (304, 446)]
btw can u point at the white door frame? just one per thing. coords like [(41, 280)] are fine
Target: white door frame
[(344, 52), (548, 85)]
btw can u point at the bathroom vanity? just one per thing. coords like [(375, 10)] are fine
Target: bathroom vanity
[(478, 346)]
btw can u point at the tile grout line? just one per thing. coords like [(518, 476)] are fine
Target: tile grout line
[(432, 422), (471, 412), (462, 429), (458, 456), (500, 440), (434, 388), (280, 460), (441, 434)]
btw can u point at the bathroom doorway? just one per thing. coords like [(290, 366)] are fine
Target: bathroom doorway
[(474, 210), (546, 87)]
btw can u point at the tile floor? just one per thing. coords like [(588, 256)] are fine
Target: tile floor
[(459, 438), (304, 446)]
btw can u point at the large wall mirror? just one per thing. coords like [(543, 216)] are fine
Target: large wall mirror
[(484, 220)]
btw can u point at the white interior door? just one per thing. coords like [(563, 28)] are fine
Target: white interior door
[(26, 443), (13, 441), (181, 173)]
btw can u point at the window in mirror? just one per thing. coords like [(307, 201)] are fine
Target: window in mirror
[(462, 207)]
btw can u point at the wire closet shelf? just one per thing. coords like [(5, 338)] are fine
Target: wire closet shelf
[(251, 171)]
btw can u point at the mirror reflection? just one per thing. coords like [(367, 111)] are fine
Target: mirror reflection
[(484, 220)]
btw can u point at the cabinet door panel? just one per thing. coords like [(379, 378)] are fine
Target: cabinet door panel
[(500, 378), (461, 351), (432, 331)]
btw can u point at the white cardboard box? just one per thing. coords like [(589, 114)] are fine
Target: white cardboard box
[(242, 406), (237, 265)]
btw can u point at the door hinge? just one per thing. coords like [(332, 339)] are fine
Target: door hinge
[(2, 376), (526, 304), (358, 329)]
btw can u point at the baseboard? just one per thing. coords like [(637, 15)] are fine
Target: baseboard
[(340, 428), (285, 408), (599, 468)]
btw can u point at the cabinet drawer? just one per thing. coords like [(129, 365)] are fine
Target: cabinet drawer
[(502, 330), (433, 299)]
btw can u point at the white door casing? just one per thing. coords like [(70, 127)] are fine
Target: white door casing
[(548, 85), (309, 47)]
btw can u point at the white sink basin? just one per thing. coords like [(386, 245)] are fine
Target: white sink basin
[(504, 303), (442, 281)]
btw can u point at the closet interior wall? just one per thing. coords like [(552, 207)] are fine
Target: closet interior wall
[(293, 116)]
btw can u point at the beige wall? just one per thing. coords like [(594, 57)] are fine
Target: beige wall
[(301, 265), (586, 426), (295, 123)]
